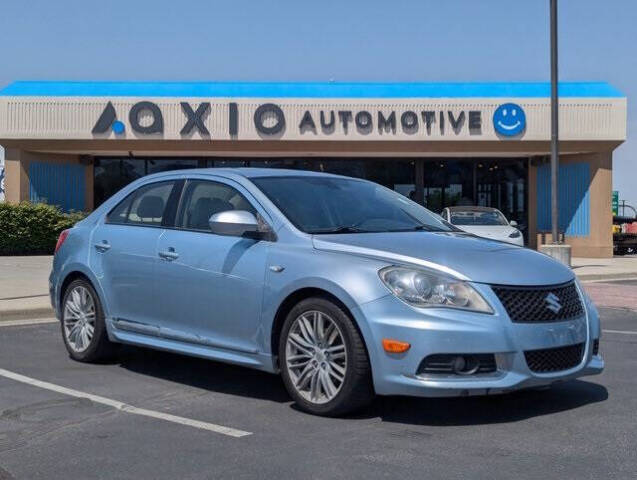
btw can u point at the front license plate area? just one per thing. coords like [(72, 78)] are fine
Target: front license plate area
[(550, 335)]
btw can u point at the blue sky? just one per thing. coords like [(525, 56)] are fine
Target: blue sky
[(415, 40)]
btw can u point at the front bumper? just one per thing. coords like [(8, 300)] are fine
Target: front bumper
[(448, 331)]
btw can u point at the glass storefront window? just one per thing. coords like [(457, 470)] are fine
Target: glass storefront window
[(490, 182), (226, 162), (397, 174), (113, 174), (156, 165), (291, 163)]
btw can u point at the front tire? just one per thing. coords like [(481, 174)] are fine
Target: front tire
[(83, 324), (324, 364)]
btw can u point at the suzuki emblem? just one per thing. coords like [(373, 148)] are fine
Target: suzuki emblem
[(553, 302)]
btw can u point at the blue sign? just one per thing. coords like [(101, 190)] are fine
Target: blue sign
[(509, 119)]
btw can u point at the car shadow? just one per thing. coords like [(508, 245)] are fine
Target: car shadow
[(483, 410), (246, 382), (204, 374)]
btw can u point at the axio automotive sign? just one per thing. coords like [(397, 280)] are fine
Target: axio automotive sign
[(269, 120)]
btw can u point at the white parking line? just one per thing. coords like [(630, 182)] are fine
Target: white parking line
[(28, 321), (231, 432), (625, 332)]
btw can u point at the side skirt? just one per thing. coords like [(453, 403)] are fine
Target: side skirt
[(135, 333)]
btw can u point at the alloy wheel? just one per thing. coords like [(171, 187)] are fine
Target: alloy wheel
[(79, 318), (316, 357)]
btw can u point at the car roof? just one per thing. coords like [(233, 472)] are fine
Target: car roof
[(472, 209), (245, 172)]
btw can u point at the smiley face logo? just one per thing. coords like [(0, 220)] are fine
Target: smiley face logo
[(509, 119)]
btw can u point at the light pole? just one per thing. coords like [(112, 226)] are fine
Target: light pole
[(554, 126), (557, 250)]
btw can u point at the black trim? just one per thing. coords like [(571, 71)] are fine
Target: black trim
[(443, 364), (170, 212), (557, 359)]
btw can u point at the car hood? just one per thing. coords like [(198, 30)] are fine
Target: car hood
[(459, 254)]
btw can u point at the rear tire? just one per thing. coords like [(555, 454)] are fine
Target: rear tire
[(323, 361), (83, 324)]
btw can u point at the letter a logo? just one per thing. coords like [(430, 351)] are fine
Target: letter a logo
[(107, 120)]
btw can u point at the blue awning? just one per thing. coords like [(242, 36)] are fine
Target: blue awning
[(308, 89)]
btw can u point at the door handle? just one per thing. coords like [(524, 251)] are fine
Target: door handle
[(102, 247), (169, 254)]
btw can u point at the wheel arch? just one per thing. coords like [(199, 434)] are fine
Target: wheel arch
[(294, 298), (73, 273)]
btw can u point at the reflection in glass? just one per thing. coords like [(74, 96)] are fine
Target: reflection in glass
[(113, 174), (156, 165)]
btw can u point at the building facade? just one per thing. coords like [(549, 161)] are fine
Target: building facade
[(76, 143)]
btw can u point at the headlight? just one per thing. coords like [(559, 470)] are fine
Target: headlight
[(515, 234), (422, 288)]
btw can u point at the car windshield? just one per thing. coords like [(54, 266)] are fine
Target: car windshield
[(478, 217), (341, 205)]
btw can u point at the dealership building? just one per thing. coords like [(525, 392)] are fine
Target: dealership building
[(74, 144)]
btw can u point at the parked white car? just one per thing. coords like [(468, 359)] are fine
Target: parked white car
[(484, 222)]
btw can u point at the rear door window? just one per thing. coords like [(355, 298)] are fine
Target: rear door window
[(146, 206)]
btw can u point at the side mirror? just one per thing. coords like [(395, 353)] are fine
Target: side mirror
[(513, 223), (235, 223)]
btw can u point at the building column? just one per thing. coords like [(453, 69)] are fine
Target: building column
[(16, 181), (532, 236), (89, 200)]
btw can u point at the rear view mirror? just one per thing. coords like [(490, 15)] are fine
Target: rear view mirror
[(513, 223), (234, 223)]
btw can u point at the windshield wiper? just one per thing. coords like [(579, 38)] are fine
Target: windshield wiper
[(419, 228), (342, 229)]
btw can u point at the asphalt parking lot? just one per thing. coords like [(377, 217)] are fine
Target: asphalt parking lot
[(581, 429)]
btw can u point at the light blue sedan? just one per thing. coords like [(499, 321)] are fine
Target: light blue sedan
[(346, 288)]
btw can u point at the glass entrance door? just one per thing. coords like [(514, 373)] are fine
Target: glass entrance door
[(447, 183), (502, 184), (490, 182)]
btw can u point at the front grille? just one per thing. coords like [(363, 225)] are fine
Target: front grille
[(539, 304), (554, 359)]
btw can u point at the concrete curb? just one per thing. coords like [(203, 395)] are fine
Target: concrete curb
[(608, 277), (24, 313)]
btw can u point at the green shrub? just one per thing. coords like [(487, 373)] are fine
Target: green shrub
[(32, 228)]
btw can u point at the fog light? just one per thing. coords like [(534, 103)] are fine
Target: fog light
[(465, 365), (395, 346)]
